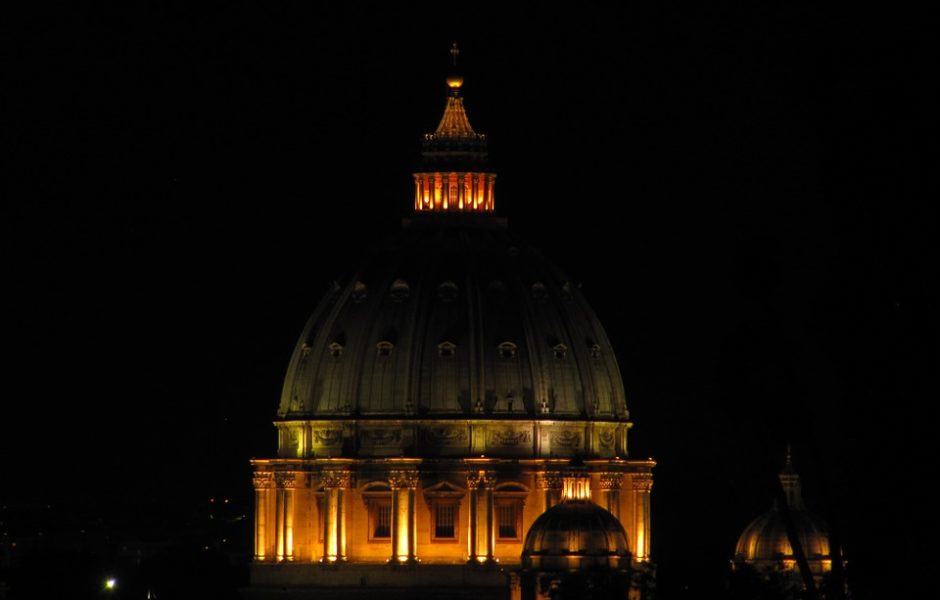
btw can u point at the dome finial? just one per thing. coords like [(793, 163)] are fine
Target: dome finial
[(454, 80)]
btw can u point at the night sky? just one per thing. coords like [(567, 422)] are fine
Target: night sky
[(745, 196)]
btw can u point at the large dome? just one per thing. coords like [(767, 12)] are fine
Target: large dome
[(454, 323), (445, 392), (452, 338)]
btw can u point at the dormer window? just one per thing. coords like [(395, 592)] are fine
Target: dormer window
[(539, 293), (595, 351), (507, 350), (560, 351), (446, 349), (359, 293), (384, 349), (400, 290), (336, 349), (447, 291)]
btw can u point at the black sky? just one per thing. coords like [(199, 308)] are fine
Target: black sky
[(745, 195)]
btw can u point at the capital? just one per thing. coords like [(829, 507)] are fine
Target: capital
[(481, 479), (548, 480), (642, 482), (285, 480), (335, 478), (611, 481), (263, 480), (403, 479)]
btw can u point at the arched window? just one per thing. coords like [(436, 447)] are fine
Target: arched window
[(447, 291), (359, 293), (507, 350), (399, 291), (384, 349), (336, 349)]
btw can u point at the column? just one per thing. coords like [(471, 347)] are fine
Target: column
[(642, 486), (610, 484), (403, 484), (490, 200), (473, 484), (334, 514), (489, 483), (417, 192), (264, 483), (550, 482), (285, 482)]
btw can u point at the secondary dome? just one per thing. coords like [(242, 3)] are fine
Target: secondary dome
[(765, 543), (766, 540), (574, 535)]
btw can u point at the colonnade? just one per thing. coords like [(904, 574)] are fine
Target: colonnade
[(280, 486)]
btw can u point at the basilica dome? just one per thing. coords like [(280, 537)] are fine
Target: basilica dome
[(446, 392), (454, 322), (448, 329)]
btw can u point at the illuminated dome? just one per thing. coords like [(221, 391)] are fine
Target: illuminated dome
[(453, 324), (435, 399), (573, 535), (458, 329), (462, 323), (765, 543)]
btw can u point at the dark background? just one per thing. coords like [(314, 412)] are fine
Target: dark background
[(743, 193)]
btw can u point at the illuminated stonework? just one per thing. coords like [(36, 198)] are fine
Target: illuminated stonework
[(436, 400)]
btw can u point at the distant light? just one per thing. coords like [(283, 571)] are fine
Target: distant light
[(110, 583)]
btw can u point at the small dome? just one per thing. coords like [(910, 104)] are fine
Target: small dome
[(574, 535), (765, 543), (765, 539)]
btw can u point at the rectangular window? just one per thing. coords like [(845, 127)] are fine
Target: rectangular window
[(445, 519), (381, 519), (507, 519)]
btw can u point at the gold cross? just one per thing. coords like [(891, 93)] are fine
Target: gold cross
[(454, 52)]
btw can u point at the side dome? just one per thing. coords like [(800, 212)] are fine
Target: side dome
[(454, 324), (765, 542), (575, 535)]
